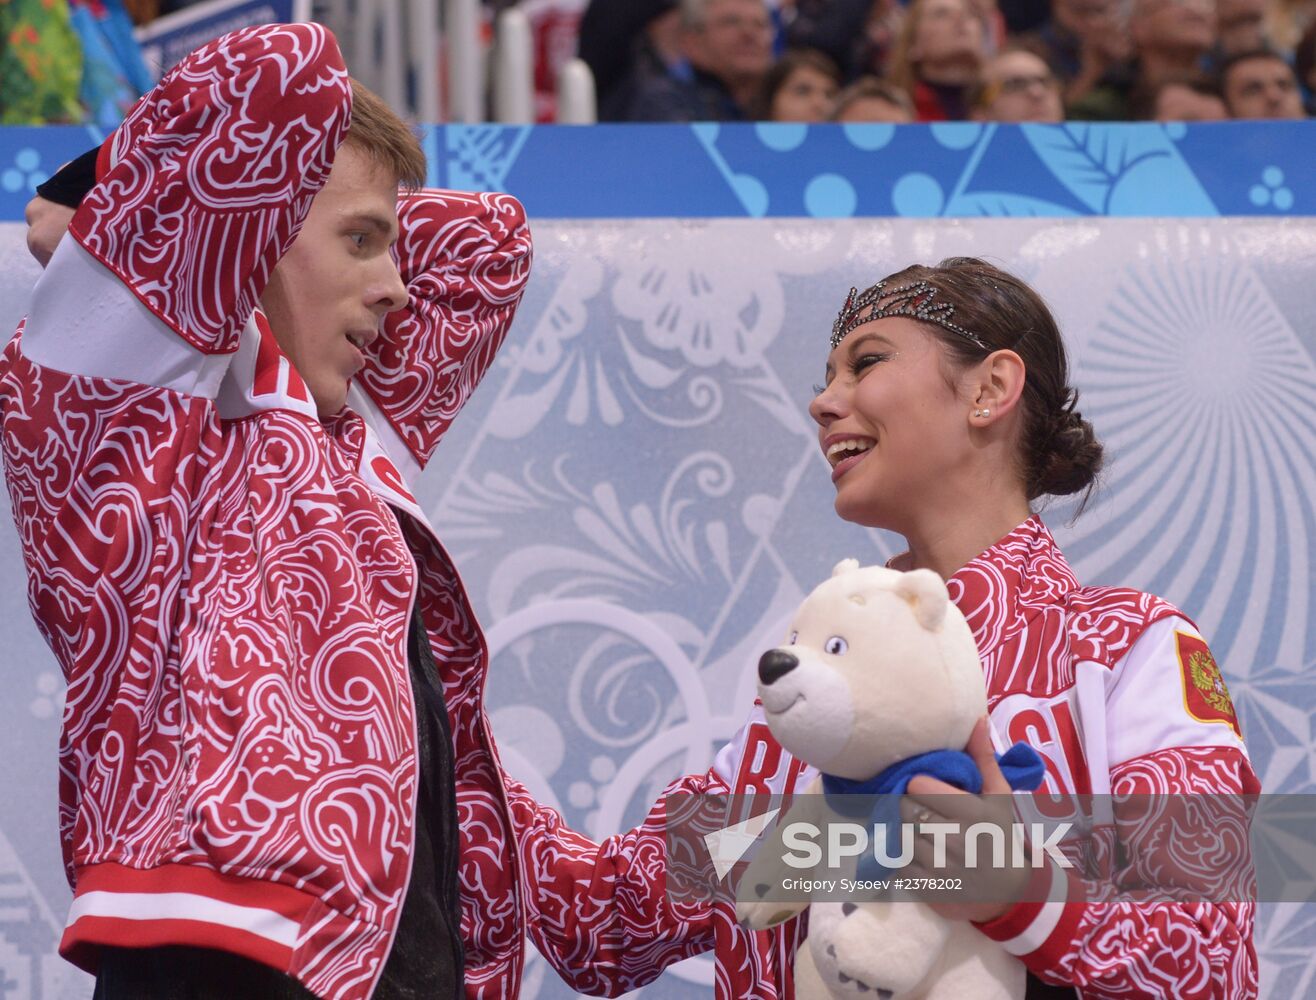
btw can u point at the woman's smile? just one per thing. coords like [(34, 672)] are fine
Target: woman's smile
[(844, 452)]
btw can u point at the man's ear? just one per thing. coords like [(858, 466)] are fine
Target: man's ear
[(999, 385)]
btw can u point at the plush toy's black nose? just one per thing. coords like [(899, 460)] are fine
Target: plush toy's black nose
[(776, 663)]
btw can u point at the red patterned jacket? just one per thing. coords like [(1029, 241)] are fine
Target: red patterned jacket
[(218, 572), (1099, 681)]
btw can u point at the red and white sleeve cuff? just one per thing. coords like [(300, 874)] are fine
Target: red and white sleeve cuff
[(1042, 926)]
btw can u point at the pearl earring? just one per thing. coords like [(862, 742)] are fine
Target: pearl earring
[(982, 413)]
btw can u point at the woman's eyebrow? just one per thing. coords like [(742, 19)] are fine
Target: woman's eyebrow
[(864, 338), (853, 346)]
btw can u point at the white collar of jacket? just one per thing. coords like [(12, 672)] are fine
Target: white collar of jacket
[(261, 378)]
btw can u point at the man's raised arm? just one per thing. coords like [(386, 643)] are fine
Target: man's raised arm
[(204, 185), (107, 419)]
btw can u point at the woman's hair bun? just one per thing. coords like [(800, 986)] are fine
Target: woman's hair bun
[(1069, 456)]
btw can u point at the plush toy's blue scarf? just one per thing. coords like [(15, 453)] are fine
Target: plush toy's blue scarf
[(1021, 765)]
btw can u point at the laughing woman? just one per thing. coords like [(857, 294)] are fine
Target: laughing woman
[(946, 414)]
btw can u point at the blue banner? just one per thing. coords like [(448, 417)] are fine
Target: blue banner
[(955, 170)]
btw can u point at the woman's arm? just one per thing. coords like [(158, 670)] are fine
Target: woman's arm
[(1169, 741)]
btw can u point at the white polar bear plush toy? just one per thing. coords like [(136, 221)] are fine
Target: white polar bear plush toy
[(879, 667)]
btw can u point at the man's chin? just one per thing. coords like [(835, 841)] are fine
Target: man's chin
[(328, 405)]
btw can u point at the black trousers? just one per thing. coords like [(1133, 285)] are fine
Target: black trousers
[(179, 972), (1038, 990)]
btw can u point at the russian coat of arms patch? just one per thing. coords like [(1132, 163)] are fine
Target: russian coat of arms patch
[(1204, 692)]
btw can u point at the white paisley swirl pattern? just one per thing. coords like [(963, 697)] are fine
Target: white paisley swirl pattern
[(711, 316)]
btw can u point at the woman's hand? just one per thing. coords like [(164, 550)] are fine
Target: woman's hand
[(987, 890)]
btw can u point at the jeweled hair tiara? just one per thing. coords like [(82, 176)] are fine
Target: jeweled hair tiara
[(915, 300)]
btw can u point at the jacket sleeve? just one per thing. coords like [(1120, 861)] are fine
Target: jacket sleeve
[(601, 913), (1178, 758), (107, 421), (610, 916), (465, 259), (203, 187)]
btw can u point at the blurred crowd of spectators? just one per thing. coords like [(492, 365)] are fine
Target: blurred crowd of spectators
[(939, 60), (791, 60)]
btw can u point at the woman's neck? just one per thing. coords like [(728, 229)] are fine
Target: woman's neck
[(947, 544)]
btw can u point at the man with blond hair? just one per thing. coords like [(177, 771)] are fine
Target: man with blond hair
[(278, 777), (207, 417)]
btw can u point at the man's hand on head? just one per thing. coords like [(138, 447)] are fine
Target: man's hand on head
[(47, 222), (57, 198)]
